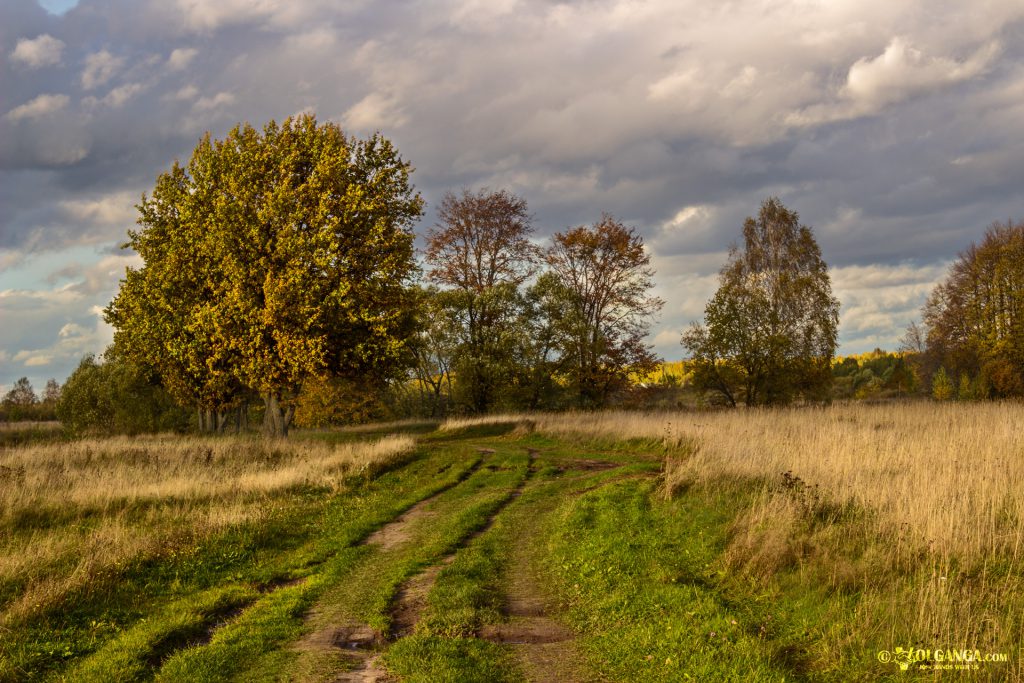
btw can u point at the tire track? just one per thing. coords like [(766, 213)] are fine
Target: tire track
[(358, 645), (411, 599)]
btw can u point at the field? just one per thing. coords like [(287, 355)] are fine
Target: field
[(829, 544)]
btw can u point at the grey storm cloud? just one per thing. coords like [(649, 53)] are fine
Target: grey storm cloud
[(893, 126)]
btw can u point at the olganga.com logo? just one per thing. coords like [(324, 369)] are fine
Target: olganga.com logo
[(940, 659)]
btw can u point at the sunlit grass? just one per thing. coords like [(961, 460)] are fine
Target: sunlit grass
[(74, 513), (918, 508)]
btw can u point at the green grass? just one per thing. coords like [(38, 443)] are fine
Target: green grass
[(423, 658), (279, 616), (363, 590), (301, 533), (639, 579), (647, 583), (468, 593)]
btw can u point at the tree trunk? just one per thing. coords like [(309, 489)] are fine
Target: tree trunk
[(207, 421), (242, 417), (277, 418)]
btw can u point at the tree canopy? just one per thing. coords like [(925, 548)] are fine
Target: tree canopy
[(602, 278), (480, 253), (974, 319), (275, 257), (770, 330)]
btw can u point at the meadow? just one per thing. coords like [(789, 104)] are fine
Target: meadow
[(916, 509), (765, 545)]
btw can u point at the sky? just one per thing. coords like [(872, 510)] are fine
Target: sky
[(894, 127)]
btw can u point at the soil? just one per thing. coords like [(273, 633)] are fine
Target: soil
[(411, 600), (543, 646), (396, 532)]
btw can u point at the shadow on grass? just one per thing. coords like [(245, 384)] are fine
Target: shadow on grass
[(369, 431), (481, 431)]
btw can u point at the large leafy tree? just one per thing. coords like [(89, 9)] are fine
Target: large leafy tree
[(164, 313), (276, 256), (974, 319), (770, 331), (602, 277), (480, 253)]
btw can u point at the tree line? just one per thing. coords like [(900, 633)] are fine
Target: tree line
[(970, 342), (280, 283), (279, 267), (22, 403)]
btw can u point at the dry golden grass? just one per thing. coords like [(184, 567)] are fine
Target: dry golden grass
[(71, 511), (953, 473), (918, 506)]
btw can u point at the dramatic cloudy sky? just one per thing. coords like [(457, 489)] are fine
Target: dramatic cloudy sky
[(893, 126)]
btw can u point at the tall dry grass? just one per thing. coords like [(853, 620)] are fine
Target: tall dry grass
[(72, 512), (918, 507), (954, 473)]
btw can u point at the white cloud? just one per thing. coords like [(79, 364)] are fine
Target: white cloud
[(218, 101), (879, 301), (181, 57), (319, 40), (376, 111), (43, 50), (115, 209), (187, 92), (49, 330), (117, 97), (32, 359), (206, 17), (483, 15), (100, 67), (62, 155), (688, 217), (900, 73), (102, 277), (71, 330), (43, 105)]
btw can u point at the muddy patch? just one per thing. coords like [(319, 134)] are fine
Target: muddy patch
[(543, 646), (589, 465), (397, 531), (366, 670), (584, 465), (411, 601), (348, 637), (527, 631), (279, 582), (356, 646)]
